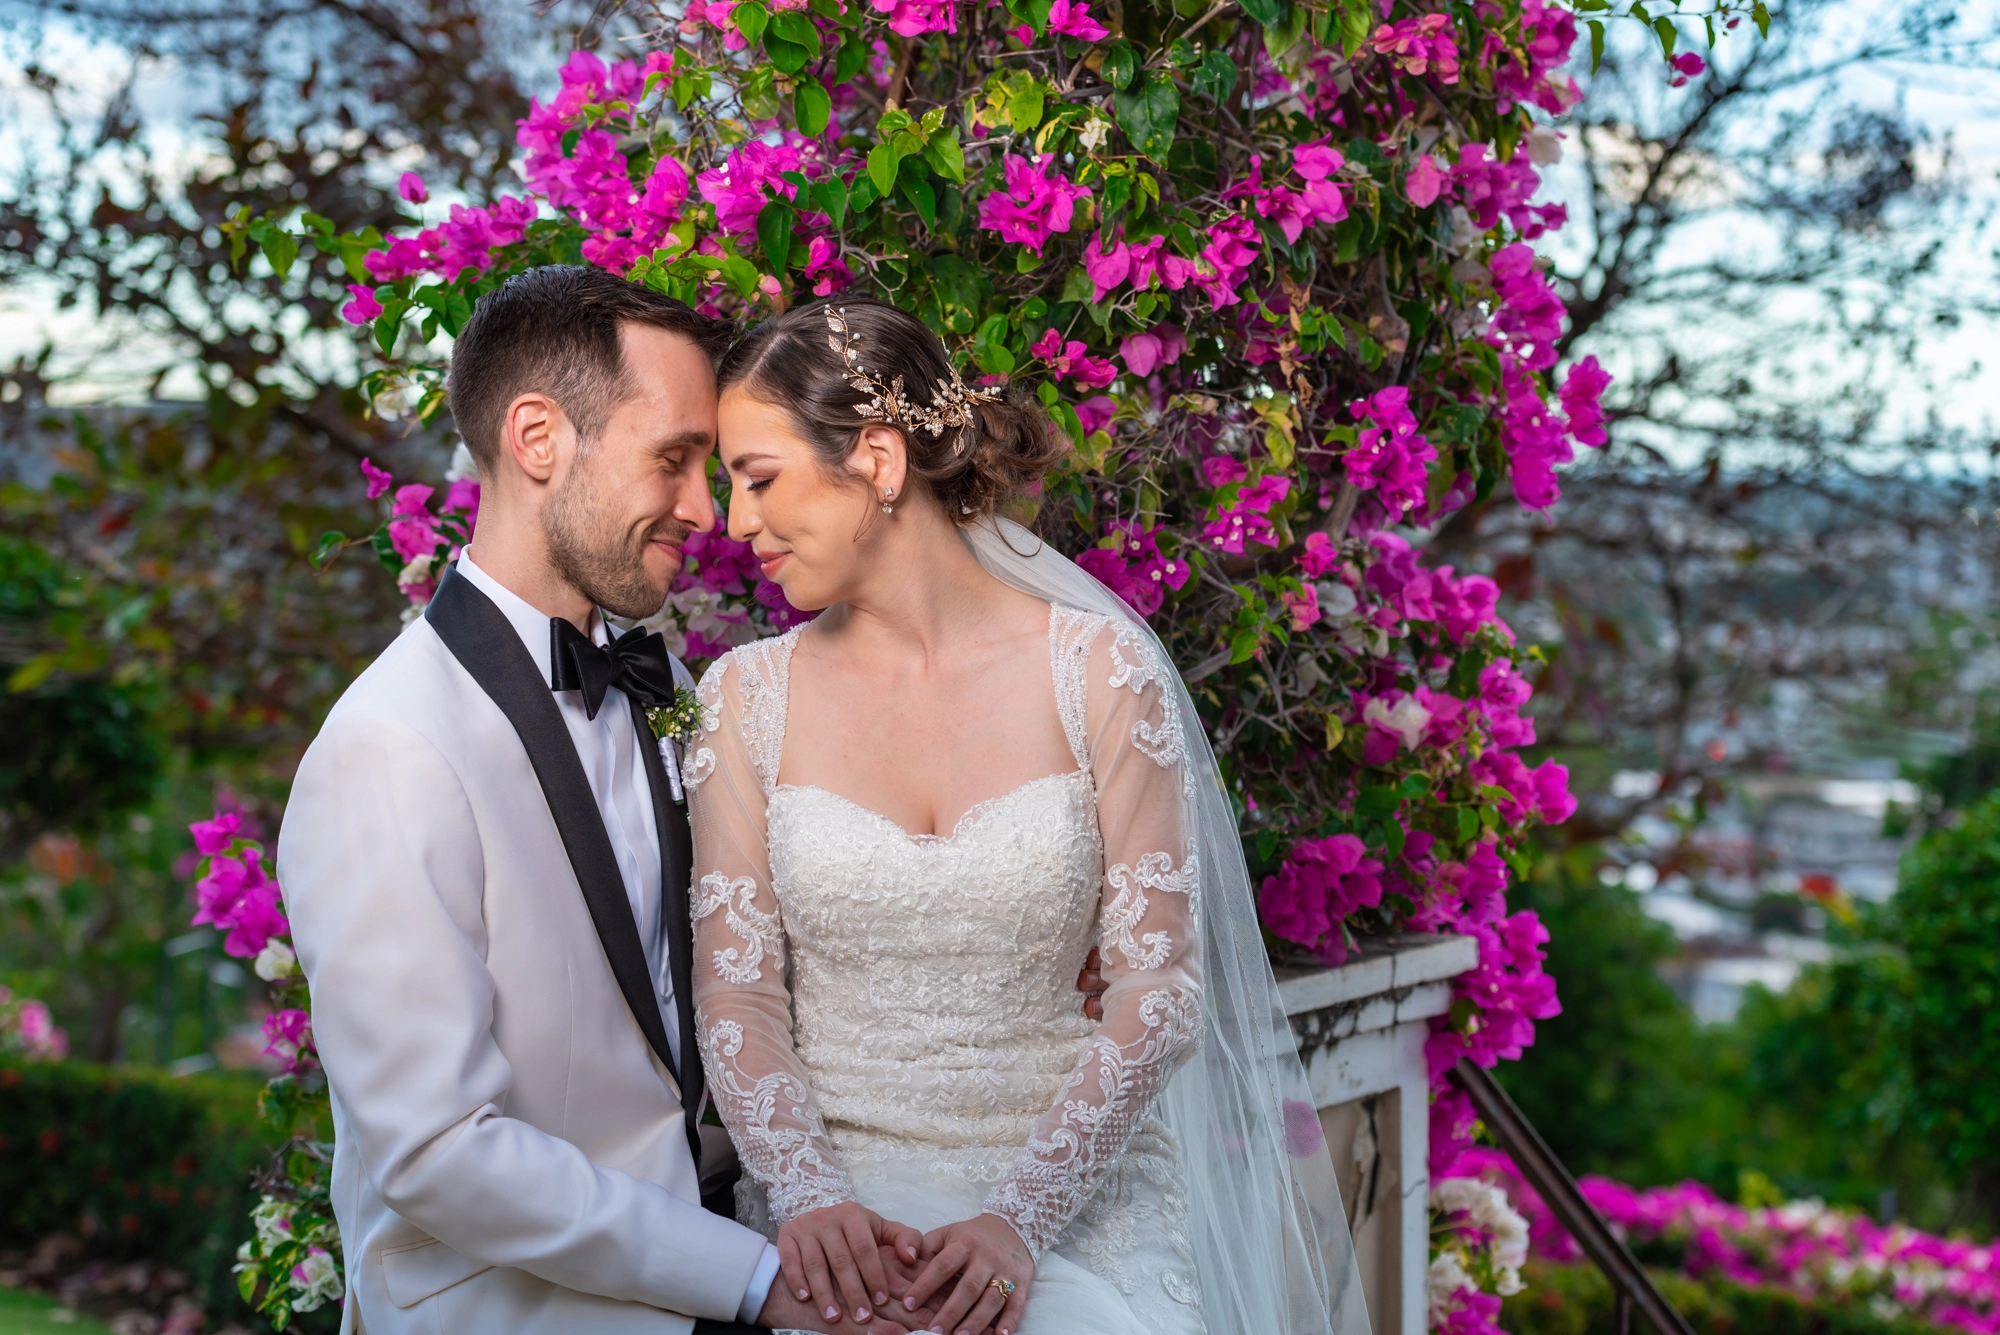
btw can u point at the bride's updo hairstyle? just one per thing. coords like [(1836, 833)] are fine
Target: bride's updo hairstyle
[(994, 447)]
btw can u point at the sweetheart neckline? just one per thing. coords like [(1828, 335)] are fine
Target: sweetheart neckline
[(971, 820)]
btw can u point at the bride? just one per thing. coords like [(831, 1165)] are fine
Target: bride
[(913, 819)]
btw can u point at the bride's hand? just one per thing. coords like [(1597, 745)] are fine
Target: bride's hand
[(978, 1251), (829, 1256)]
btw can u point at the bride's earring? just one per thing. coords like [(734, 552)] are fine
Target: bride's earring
[(887, 508)]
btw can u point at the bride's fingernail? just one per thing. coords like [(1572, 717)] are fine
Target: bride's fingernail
[(804, 1294), (833, 1314), (880, 1297), (861, 1315), (910, 1304)]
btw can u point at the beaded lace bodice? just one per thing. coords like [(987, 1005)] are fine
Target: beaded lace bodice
[(864, 993)]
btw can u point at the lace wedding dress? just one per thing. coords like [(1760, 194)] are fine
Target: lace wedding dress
[(893, 1018)]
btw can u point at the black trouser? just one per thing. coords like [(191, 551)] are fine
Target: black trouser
[(703, 1326)]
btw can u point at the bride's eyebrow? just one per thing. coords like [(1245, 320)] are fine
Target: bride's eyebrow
[(750, 457)]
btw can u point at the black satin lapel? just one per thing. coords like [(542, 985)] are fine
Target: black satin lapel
[(676, 860), (483, 640)]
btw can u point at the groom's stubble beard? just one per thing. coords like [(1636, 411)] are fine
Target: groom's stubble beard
[(593, 555)]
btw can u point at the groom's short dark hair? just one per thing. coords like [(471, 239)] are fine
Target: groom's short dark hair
[(554, 330)]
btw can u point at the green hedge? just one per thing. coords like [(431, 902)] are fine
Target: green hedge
[(1576, 1300), (136, 1163)]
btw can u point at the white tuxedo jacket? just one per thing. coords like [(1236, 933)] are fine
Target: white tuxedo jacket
[(511, 1151)]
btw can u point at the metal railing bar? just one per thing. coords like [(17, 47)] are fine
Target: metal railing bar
[(1546, 1174)]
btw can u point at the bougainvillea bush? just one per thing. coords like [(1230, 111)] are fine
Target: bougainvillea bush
[(1829, 1256), (1269, 265)]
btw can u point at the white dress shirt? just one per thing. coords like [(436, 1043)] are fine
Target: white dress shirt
[(608, 746)]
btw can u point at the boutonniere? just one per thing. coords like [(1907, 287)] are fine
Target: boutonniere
[(673, 725), (678, 720)]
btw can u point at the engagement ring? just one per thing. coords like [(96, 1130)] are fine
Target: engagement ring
[(1006, 1286)]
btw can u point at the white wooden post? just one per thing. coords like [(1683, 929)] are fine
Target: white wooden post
[(1361, 1031)]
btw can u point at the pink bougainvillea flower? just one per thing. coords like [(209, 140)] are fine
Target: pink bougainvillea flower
[(1320, 555), (1423, 182), (1582, 394), (1219, 470), (378, 481), (1074, 20), (1036, 202), (1390, 456), (1320, 882), (361, 306), (824, 266), (1162, 345), (914, 18), (288, 1036), (1687, 65), (212, 837), (1225, 260), (1073, 359), (746, 181), (1095, 414), (412, 188), (1247, 518), (412, 529), (239, 898), (1134, 568), (1420, 46), (1303, 606)]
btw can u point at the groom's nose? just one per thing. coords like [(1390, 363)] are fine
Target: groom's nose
[(694, 502)]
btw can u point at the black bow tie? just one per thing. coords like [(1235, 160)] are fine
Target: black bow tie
[(636, 663)]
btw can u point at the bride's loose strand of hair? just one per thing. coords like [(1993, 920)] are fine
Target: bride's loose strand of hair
[(1001, 453)]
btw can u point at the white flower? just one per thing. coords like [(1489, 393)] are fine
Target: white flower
[(1335, 598), (315, 1280), (275, 961), (416, 572), (1544, 146), (393, 400), (1095, 132), (1407, 719), (273, 1221), (1442, 1285), (464, 468)]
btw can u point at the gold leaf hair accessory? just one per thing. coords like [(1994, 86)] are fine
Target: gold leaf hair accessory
[(950, 405)]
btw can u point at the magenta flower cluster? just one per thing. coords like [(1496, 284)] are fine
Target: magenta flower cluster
[(1036, 202), (1134, 569), (1420, 46), (236, 895), (1802, 1247), (1320, 882), (1390, 456), (1241, 515)]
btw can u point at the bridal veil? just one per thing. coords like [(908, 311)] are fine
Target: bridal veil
[(1270, 1237)]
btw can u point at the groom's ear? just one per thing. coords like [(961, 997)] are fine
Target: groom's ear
[(532, 434)]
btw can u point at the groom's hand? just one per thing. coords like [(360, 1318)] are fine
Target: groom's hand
[(1091, 983), (781, 1311), (830, 1258)]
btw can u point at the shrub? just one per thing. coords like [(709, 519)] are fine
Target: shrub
[(136, 1164), (1576, 1299)]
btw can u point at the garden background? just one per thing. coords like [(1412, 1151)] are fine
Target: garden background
[(1760, 605)]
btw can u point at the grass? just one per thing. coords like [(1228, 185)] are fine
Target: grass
[(24, 1313)]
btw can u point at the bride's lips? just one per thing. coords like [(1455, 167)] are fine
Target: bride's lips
[(772, 562)]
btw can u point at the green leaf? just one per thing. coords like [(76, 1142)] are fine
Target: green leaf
[(789, 57), (741, 274), (812, 108), (1148, 114), (1760, 15), (917, 189), (1077, 285), (774, 234), (797, 29), (944, 154), (1664, 26), (1025, 101), (280, 249), (853, 56), (1266, 12), (862, 194), (831, 196), (330, 543), (1356, 22), (882, 163), (751, 18), (1378, 802), (759, 93), (1121, 62), (1241, 645), (1468, 825), (1596, 44), (1184, 53), (1282, 36), (1217, 76)]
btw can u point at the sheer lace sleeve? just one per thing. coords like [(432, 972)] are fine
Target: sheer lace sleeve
[(1147, 934), (743, 1006)]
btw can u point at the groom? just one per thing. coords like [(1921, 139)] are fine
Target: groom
[(486, 869)]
